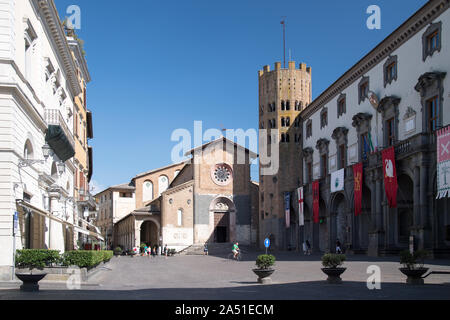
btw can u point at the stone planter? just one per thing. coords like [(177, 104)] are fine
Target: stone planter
[(334, 274), (264, 275), (30, 281), (414, 276)]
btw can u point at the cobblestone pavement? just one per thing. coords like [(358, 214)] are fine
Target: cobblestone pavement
[(213, 277)]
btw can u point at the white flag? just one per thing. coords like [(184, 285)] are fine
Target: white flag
[(301, 217), (337, 181)]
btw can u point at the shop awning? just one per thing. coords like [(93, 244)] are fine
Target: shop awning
[(41, 212), (77, 229), (58, 141)]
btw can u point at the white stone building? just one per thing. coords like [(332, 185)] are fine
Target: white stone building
[(38, 82), (408, 72)]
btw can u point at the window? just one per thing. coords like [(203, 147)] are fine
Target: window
[(363, 89), (147, 191), (283, 122), (390, 127), (297, 123), (287, 137), (390, 70), (431, 40), (288, 122), (126, 195), (283, 137), (288, 105), (365, 149), (29, 36), (309, 128), (282, 105), (323, 118), (163, 183), (180, 217), (341, 105), (298, 137), (433, 113), (28, 150)]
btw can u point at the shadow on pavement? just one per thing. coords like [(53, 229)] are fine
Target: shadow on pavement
[(315, 290)]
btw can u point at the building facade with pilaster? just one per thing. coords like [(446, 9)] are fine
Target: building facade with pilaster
[(398, 95)]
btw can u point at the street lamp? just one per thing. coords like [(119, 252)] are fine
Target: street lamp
[(28, 162)]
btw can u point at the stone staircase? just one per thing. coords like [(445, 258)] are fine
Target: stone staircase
[(213, 249)]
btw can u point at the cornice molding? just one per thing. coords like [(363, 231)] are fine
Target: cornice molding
[(421, 19), (51, 22)]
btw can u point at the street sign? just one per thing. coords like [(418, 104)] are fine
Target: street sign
[(267, 242), (16, 222)]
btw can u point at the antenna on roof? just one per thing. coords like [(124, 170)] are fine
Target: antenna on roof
[(283, 22)]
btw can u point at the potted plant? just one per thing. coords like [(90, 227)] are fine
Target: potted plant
[(264, 262), (117, 251), (34, 259), (332, 269), (413, 266)]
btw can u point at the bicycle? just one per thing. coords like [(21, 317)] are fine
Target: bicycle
[(238, 257)]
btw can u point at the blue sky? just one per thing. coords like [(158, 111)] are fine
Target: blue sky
[(160, 65)]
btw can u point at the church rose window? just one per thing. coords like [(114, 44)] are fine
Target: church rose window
[(222, 174)]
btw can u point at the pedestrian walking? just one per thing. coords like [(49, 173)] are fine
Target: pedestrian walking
[(338, 247), (205, 249), (165, 250), (305, 248), (154, 251), (308, 248)]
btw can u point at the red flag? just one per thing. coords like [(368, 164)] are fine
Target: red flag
[(390, 176), (357, 174), (315, 188)]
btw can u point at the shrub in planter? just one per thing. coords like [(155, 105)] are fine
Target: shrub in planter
[(36, 258), (107, 255), (331, 260), (332, 269), (413, 266), (118, 251), (83, 258), (264, 262)]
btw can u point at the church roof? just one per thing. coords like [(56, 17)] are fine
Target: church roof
[(222, 139)]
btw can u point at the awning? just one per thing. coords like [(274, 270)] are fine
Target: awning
[(89, 233), (41, 212), (58, 141), (86, 232), (90, 131)]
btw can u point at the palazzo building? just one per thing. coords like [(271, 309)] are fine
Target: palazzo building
[(40, 81), (406, 77), (209, 198)]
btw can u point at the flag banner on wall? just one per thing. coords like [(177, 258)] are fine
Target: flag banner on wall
[(337, 181), (301, 215), (390, 176), (315, 187), (287, 208), (357, 178), (443, 162)]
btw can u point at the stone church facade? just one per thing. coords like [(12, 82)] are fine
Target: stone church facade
[(210, 199)]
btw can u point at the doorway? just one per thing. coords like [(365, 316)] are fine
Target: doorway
[(221, 227)]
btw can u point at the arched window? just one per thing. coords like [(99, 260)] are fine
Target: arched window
[(54, 172), (288, 121), (147, 191), (163, 183), (179, 217), (28, 150), (283, 122)]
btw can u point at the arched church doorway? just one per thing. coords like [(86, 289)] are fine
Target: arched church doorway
[(222, 210), (149, 233)]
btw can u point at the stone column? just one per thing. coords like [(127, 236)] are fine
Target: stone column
[(424, 224), (56, 238), (375, 237)]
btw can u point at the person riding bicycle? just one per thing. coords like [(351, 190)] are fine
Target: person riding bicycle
[(235, 250)]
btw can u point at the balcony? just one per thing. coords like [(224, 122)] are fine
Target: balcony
[(58, 135)]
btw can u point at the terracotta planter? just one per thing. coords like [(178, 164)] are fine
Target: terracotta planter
[(414, 276), (334, 274), (30, 281), (264, 275)]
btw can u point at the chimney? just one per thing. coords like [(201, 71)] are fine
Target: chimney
[(277, 66), (291, 65)]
